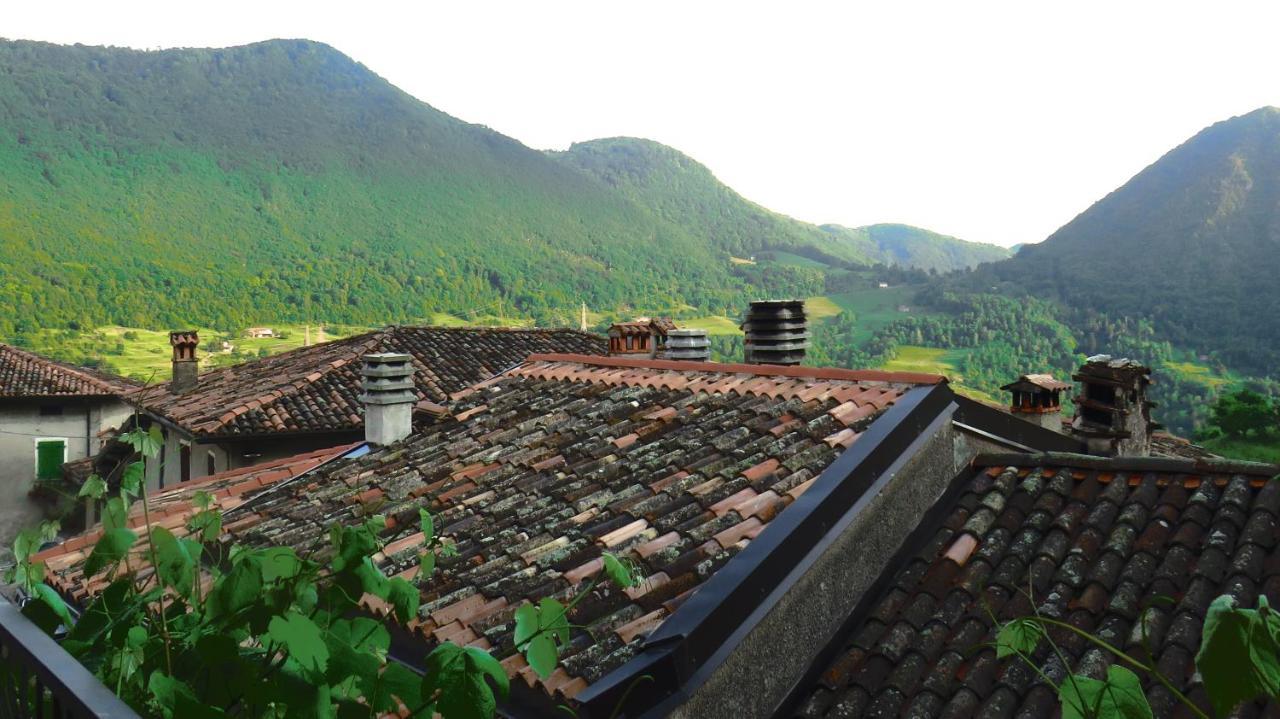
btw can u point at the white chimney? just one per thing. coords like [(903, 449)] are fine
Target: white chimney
[(388, 397)]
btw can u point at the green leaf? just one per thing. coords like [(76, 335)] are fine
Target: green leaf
[(131, 480), (303, 640), (462, 677), (174, 561), (47, 610), (238, 588), (145, 442), (428, 527), (404, 597), (542, 655), (115, 514), (110, 548), (201, 500), (1119, 697), (552, 618), (280, 563), (526, 624), (398, 684), (1239, 658), (165, 691), (427, 565), (94, 487), (207, 525), (618, 572), (1019, 636)]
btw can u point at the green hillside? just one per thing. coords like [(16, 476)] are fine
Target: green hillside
[(686, 193), (1191, 244), (917, 247), (285, 182)]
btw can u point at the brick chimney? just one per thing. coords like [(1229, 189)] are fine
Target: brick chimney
[(388, 397), (186, 369), (1113, 414), (1037, 398), (776, 331), (642, 337)]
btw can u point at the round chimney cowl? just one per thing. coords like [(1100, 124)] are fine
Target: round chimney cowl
[(777, 332)]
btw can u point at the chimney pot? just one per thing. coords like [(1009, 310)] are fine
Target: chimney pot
[(1037, 398), (688, 345), (388, 398), (777, 332), (186, 368), (1113, 415)]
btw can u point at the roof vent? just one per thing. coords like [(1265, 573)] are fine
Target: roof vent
[(688, 345), (388, 397), (186, 368), (777, 332)]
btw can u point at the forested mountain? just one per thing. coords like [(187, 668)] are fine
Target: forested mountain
[(685, 192), (917, 247), (1192, 243), (284, 180)]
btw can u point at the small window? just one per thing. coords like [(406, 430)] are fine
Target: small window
[(50, 410), (211, 466), (50, 454), (185, 462)]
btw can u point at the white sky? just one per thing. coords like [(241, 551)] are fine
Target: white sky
[(994, 122)]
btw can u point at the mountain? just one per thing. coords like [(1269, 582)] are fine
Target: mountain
[(686, 193), (909, 246), (1190, 244), (285, 181)]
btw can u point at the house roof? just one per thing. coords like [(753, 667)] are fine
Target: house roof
[(172, 507), (677, 466), (1085, 540), (317, 388), (1037, 381), (26, 374)]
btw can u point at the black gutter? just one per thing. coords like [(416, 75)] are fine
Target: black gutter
[(694, 639), (916, 541), (1005, 427), (1168, 465)]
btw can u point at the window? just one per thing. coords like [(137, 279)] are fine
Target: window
[(50, 410), (212, 464), (185, 462), (51, 452)]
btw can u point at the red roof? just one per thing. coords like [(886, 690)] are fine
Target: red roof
[(26, 374)]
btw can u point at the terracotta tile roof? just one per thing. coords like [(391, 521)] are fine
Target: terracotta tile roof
[(677, 466), (26, 374), (1089, 546), (172, 507), (316, 389)]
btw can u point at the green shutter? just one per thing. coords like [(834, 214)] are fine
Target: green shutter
[(49, 454)]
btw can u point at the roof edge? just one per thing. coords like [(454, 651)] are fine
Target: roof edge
[(825, 373), (1172, 465)]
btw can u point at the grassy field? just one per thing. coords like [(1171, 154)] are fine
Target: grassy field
[(933, 360), (145, 354), (1198, 373), (713, 324), (1262, 450), (873, 307), (789, 260)]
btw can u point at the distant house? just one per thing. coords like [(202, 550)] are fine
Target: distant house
[(883, 285), (50, 413), (308, 398), (259, 333)]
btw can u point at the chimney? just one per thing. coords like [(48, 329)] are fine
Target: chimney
[(186, 370), (776, 332), (642, 337), (1113, 415), (688, 345), (1037, 398), (388, 397)]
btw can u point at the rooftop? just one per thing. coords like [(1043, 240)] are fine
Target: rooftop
[(1086, 540), (317, 388), (26, 374), (677, 466)]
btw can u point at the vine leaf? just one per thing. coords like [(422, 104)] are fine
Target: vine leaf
[(1239, 657), (109, 550), (1019, 636), (618, 572), (1118, 697), (461, 677), (404, 597), (131, 480), (304, 641), (93, 488), (174, 561), (47, 610)]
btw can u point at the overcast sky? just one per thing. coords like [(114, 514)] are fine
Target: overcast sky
[(995, 122)]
